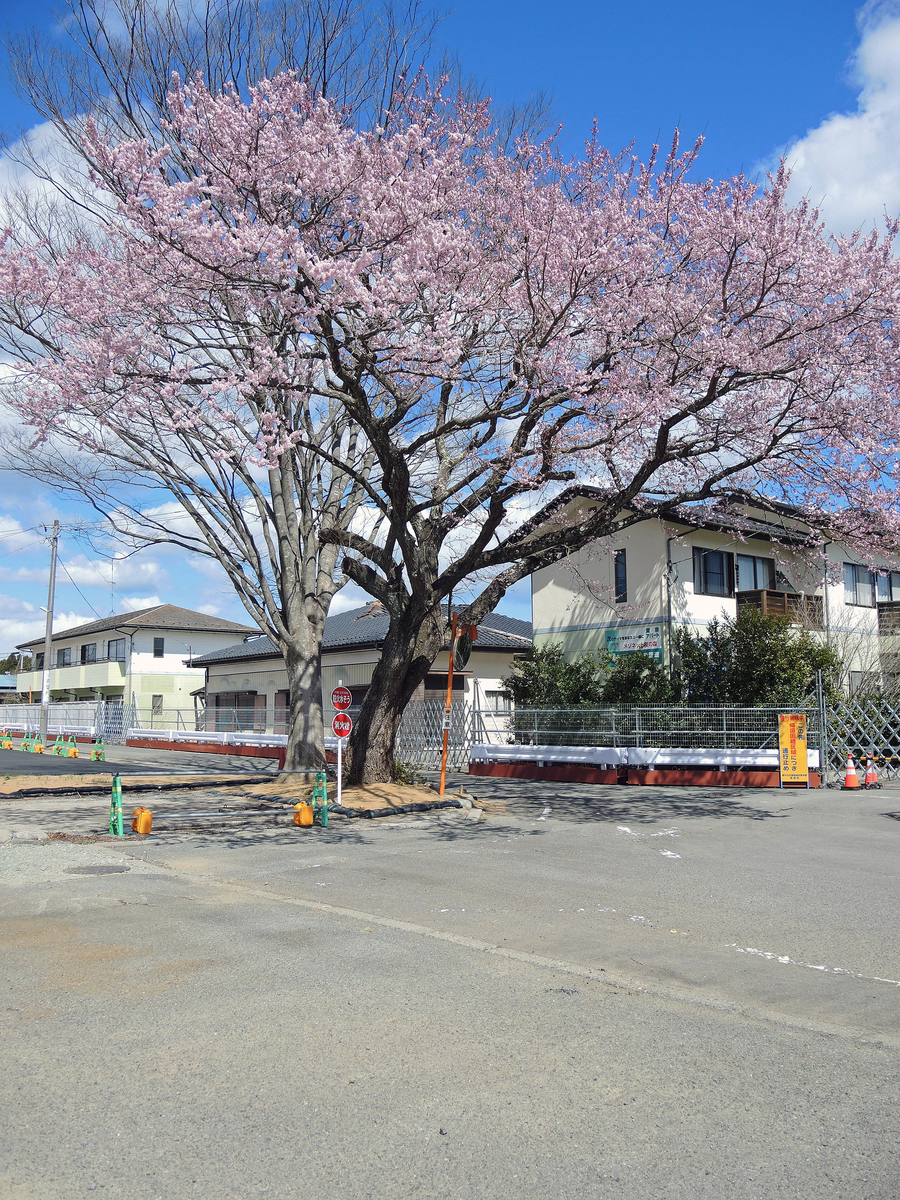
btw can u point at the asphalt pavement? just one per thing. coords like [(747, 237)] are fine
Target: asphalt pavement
[(694, 1000), (131, 760)]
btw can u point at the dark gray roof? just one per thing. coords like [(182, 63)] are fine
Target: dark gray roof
[(360, 628), (161, 616)]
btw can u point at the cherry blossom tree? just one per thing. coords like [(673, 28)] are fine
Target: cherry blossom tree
[(446, 337)]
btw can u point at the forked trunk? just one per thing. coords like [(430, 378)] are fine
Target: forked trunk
[(404, 663)]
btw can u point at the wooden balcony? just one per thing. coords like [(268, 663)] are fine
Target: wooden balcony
[(797, 607)]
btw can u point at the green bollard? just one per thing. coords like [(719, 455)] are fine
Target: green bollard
[(115, 808), (319, 798)]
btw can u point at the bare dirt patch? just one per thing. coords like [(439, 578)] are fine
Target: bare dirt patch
[(11, 789), (491, 806), (83, 839)]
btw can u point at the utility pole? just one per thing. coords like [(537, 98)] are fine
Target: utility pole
[(45, 684)]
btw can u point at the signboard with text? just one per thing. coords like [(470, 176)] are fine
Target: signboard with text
[(793, 761), (636, 639), (341, 698), (342, 725)]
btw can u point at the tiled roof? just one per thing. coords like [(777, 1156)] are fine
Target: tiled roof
[(363, 627), (162, 616)]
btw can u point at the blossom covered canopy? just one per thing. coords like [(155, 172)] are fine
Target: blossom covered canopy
[(492, 322)]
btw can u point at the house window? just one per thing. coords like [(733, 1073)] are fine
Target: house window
[(863, 683), (621, 577), (64, 657), (157, 705), (115, 650), (39, 662), (89, 653), (498, 702), (713, 572), (754, 574), (159, 647), (888, 586), (859, 586)]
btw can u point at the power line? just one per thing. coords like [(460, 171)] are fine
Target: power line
[(18, 549), (80, 592), (16, 532)]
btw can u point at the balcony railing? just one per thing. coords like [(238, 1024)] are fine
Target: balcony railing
[(889, 617), (75, 662), (797, 607)]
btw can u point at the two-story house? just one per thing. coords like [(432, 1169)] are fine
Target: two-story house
[(145, 657), (630, 593)]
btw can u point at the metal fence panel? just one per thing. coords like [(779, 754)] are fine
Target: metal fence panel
[(682, 727), (864, 726)]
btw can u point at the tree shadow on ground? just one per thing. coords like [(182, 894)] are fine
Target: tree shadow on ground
[(528, 798)]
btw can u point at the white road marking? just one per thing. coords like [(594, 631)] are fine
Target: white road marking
[(786, 959)]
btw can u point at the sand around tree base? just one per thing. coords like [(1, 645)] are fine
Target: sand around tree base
[(374, 796)]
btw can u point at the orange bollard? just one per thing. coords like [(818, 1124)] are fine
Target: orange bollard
[(871, 780), (303, 814), (851, 779)]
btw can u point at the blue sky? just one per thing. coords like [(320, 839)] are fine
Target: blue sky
[(818, 80)]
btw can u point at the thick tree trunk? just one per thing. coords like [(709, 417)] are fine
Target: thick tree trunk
[(410, 647), (305, 736)]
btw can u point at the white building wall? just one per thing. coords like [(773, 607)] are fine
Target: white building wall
[(573, 602)]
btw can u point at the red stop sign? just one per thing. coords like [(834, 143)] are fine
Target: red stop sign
[(342, 725), (341, 698)]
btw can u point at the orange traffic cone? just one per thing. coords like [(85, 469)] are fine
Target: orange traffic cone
[(871, 774), (851, 779)]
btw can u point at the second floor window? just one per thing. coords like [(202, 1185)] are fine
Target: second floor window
[(754, 573), (39, 662), (89, 653), (159, 647), (859, 586), (713, 572), (115, 649), (64, 657), (888, 586), (621, 577)]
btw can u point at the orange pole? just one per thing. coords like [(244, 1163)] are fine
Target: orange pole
[(447, 709)]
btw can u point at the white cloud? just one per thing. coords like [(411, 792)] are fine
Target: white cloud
[(133, 603), (849, 165), (350, 596), (16, 626), (14, 536), (121, 572)]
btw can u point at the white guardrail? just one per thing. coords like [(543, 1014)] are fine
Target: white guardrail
[(236, 738), (633, 756)]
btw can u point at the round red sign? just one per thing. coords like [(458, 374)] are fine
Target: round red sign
[(341, 698), (342, 725)]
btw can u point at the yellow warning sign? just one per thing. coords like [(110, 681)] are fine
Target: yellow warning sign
[(793, 761)]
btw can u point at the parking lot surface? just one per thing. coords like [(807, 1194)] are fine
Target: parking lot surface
[(612, 994)]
